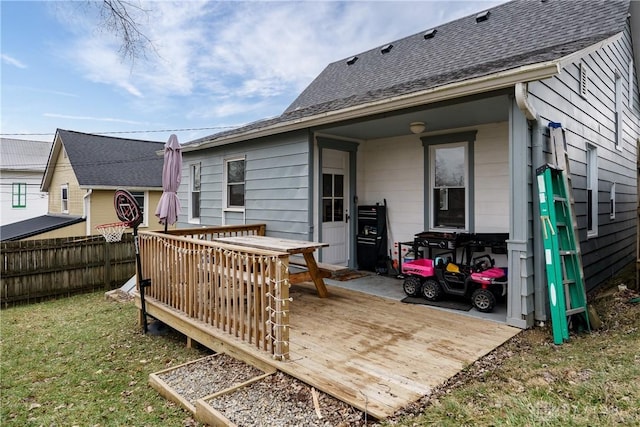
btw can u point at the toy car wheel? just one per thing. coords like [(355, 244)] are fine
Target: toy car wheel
[(411, 286), (483, 300), (431, 290)]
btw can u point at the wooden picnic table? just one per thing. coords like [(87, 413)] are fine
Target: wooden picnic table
[(292, 247)]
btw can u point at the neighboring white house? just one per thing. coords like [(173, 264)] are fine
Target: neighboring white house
[(22, 165)]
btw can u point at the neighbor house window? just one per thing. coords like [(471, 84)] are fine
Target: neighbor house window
[(448, 185), (592, 191), (64, 198), (194, 193), (618, 112), (141, 199), (235, 183), (19, 195)]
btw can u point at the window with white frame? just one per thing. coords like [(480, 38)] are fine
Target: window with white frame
[(64, 198), (194, 193), (141, 198), (612, 201), (630, 85), (234, 185), (19, 195), (592, 191), (618, 110), (449, 198)]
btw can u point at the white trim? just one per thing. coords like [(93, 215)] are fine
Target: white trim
[(145, 206), (612, 201), (62, 200), (618, 109), (630, 85), (592, 184), (432, 171), (583, 81), (225, 188), (191, 219)]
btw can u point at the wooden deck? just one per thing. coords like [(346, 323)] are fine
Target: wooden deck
[(374, 353)]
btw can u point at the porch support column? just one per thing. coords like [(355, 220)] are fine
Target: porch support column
[(520, 304)]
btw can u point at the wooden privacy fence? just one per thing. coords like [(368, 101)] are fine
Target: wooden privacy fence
[(35, 269), (240, 291)]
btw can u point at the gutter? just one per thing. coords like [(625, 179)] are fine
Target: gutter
[(474, 86)]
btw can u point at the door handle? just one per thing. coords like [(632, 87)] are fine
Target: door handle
[(347, 217)]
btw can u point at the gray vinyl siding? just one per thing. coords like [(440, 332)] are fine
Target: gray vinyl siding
[(592, 121), (276, 184)]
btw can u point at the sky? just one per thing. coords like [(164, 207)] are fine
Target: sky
[(210, 66)]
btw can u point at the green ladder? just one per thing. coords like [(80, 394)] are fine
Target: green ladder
[(565, 278)]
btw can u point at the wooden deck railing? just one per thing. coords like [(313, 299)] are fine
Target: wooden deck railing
[(209, 233), (241, 291)]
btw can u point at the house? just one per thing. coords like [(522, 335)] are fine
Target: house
[(22, 165), (82, 173), (448, 127)]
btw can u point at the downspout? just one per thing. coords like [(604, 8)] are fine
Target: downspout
[(86, 207), (523, 102), (537, 159)]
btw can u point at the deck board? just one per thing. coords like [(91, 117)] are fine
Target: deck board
[(382, 353), (374, 353)]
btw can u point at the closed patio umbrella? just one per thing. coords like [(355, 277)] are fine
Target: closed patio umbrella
[(169, 205)]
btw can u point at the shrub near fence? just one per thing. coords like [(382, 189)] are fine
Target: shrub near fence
[(37, 269)]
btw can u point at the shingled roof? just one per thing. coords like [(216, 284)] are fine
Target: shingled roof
[(108, 162), (515, 34)]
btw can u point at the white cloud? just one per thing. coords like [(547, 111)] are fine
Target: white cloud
[(95, 119), (239, 57), (12, 61)]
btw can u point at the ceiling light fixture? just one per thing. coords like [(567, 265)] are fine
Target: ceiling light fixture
[(417, 127)]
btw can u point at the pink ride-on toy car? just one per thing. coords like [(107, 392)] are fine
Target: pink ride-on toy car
[(481, 282)]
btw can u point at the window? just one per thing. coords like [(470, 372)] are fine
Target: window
[(19, 195), (235, 183), (448, 182), (141, 199), (612, 201), (630, 85), (332, 197), (64, 198), (592, 191), (618, 113), (194, 193)]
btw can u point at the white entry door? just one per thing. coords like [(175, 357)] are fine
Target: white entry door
[(334, 188)]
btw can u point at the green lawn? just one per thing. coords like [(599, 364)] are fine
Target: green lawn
[(83, 361)]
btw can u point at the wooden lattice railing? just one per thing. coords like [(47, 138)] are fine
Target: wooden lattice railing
[(241, 291)]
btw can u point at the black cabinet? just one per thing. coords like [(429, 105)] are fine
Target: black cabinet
[(371, 238)]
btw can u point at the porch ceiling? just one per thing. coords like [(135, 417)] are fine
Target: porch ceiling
[(451, 116)]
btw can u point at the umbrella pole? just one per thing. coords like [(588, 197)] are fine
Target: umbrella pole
[(142, 282)]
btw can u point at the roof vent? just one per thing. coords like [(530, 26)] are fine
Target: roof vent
[(483, 16), (429, 34), (352, 60), (386, 48)]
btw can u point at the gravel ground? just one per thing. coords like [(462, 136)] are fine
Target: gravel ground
[(277, 400), (208, 375), (280, 400)]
